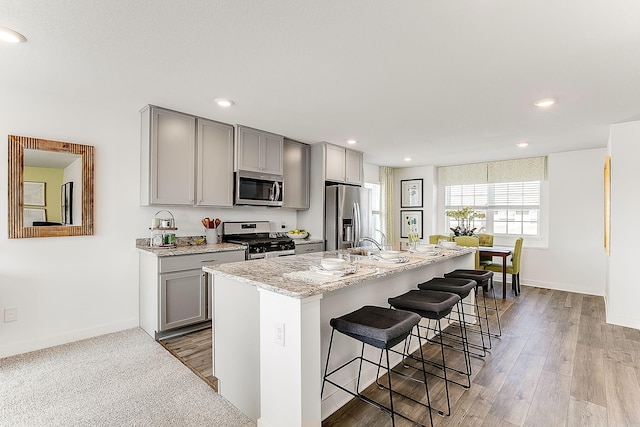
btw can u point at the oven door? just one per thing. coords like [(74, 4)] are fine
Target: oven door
[(273, 254), (258, 189)]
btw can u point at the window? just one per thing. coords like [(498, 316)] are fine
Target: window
[(376, 216), (510, 208)]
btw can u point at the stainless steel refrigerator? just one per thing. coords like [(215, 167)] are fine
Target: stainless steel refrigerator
[(347, 214)]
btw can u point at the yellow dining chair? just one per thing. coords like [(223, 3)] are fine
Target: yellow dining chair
[(470, 241), (513, 268), (433, 239), (485, 240)]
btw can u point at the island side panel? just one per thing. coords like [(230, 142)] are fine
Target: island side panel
[(236, 345), (289, 374)]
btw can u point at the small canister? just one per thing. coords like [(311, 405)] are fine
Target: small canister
[(170, 239)]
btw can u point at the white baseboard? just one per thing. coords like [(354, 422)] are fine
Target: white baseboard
[(39, 343), (554, 286)]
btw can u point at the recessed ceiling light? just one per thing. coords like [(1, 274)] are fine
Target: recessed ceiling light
[(351, 141), (546, 102), (10, 36), (407, 159), (522, 144), (223, 102)]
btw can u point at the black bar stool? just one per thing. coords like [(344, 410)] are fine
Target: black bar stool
[(431, 305), (484, 279), (462, 288), (382, 328)]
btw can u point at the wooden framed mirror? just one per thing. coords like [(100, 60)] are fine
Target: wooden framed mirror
[(48, 211)]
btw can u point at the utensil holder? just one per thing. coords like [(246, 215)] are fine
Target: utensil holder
[(211, 236)]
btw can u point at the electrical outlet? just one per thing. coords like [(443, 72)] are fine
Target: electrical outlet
[(279, 338), (10, 314), (283, 225)]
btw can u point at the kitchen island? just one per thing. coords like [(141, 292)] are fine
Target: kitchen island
[(271, 328)]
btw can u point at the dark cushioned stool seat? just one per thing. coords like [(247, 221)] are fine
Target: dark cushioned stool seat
[(483, 277), (461, 287), (376, 326), (428, 304)]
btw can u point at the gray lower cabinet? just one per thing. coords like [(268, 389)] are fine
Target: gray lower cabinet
[(308, 248), (174, 291), (183, 298), (297, 162)]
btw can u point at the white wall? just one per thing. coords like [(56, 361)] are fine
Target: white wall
[(429, 194), (574, 260), (69, 288), (623, 292)]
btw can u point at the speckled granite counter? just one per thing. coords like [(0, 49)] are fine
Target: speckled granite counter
[(269, 273), (187, 246)]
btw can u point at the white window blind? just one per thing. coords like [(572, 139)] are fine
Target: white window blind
[(507, 192)]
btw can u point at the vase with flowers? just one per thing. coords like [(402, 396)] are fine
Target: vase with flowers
[(465, 217)]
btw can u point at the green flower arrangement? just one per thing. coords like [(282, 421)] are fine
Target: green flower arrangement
[(464, 216)]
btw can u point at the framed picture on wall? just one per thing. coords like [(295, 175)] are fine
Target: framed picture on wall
[(34, 193), (411, 193), (411, 222), (34, 214)]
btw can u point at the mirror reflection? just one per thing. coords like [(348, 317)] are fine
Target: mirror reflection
[(50, 188)]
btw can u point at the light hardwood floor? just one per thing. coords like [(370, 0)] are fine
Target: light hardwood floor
[(557, 364), (194, 350)]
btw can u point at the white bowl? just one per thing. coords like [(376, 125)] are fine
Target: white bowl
[(425, 248), (297, 236), (449, 244), (389, 254), (332, 263)]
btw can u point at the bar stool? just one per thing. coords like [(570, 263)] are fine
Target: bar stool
[(463, 288), (484, 279), (431, 305), (381, 328)]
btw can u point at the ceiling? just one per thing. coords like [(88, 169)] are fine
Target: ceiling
[(442, 82)]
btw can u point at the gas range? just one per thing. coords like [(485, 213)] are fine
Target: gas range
[(257, 239)]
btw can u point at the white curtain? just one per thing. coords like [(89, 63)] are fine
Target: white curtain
[(517, 170), (386, 204)]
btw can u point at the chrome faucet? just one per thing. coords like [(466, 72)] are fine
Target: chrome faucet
[(384, 238), (370, 239)]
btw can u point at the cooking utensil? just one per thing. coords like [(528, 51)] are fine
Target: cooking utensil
[(216, 223)]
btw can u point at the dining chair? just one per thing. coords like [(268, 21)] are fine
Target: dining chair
[(470, 241), (513, 268), (485, 240), (434, 238)]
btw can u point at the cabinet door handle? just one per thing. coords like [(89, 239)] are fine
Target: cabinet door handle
[(209, 260)]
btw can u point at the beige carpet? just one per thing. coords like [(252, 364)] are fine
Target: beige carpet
[(120, 379)]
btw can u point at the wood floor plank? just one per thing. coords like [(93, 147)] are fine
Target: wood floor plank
[(588, 378), (623, 394), (550, 401), (586, 414), (518, 390)]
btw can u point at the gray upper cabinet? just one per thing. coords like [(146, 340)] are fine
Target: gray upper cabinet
[(183, 156), (296, 174), (259, 151), (343, 165), (167, 157), (214, 164)]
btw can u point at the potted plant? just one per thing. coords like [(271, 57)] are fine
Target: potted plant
[(464, 216)]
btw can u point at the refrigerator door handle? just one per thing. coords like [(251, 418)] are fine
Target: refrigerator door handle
[(356, 225)]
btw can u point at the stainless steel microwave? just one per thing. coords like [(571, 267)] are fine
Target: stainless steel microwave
[(254, 188)]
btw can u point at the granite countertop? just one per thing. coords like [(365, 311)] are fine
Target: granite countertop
[(187, 246), (271, 273)]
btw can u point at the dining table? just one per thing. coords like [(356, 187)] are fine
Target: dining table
[(502, 252)]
